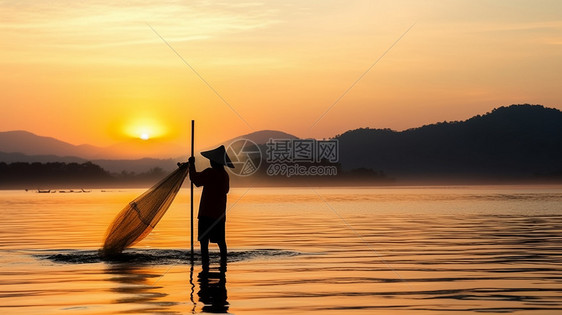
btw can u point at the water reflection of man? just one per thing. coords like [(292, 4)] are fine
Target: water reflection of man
[(212, 208), (212, 291)]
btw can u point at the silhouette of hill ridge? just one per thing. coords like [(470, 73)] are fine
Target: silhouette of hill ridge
[(30, 144), (24, 146), (259, 137), (25, 142), (508, 142)]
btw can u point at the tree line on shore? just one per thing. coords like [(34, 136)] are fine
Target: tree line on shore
[(42, 175), (38, 175)]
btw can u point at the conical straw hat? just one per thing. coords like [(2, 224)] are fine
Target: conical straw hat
[(218, 155)]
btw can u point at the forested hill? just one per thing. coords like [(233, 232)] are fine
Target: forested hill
[(518, 141)]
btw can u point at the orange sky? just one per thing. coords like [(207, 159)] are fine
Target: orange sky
[(94, 72)]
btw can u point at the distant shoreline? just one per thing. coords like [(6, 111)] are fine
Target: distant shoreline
[(76, 188)]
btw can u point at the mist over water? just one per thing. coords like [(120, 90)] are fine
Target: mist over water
[(407, 250)]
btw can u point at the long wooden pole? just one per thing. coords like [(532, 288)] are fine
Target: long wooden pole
[(192, 141)]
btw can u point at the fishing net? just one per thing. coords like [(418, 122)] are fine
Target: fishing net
[(141, 215)]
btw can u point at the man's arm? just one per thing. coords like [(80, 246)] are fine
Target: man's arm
[(196, 178)]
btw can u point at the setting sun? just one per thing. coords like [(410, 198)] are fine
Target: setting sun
[(145, 128)]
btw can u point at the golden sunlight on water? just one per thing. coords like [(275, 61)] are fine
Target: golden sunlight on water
[(420, 250)]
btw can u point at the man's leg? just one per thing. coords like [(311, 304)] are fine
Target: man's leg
[(205, 252), (224, 254)]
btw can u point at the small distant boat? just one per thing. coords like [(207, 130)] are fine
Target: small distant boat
[(74, 191), (44, 191)]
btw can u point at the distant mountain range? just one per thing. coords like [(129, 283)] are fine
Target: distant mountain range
[(24, 146), (260, 137), (27, 143), (514, 142), (518, 141)]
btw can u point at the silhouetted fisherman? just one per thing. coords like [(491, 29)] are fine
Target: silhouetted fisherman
[(212, 208)]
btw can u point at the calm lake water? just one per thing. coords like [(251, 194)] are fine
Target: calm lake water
[(400, 250)]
